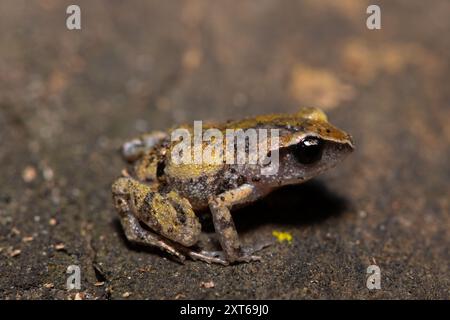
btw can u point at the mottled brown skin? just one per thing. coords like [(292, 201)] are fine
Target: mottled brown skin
[(163, 195)]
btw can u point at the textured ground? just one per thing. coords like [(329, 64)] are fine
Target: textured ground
[(69, 98)]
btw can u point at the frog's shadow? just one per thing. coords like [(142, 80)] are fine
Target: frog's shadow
[(306, 204)]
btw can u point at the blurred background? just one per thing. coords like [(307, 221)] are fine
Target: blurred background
[(69, 98)]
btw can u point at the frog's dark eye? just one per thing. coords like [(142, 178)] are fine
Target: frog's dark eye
[(309, 150)]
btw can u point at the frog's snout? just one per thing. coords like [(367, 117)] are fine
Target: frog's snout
[(350, 143), (343, 149)]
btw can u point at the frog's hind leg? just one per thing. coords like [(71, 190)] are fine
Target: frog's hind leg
[(134, 232), (175, 225), (135, 148), (137, 234)]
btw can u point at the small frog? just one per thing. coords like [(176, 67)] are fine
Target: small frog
[(157, 200)]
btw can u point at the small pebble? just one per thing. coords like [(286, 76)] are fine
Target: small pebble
[(29, 174), (126, 294), (79, 296), (48, 174), (15, 253), (27, 239), (48, 285), (60, 246), (52, 222), (208, 284)]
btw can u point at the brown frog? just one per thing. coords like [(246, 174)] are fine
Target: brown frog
[(163, 195)]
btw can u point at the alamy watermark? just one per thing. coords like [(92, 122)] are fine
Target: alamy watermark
[(73, 21), (373, 281), (373, 21), (238, 146), (74, 279)]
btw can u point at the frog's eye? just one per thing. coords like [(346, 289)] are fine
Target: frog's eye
[(309, 150)]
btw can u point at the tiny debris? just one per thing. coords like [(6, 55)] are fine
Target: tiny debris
[(15, 231), (48, 174), (208, 285), (60, 246), (15, 253), (79, 296), (99, 283), (52, 222), (362, 214), (126, 294), (49, 285), (180, 296), (282, 236), (27, 239), (29, 174), (145, 269)]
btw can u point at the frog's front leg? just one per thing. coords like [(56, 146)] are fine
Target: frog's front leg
[(135, 148), (223, 222)]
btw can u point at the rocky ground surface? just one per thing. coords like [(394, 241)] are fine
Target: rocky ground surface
[(68, 99)]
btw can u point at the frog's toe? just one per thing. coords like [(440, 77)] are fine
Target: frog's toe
[(248, 258), (220, 257), (210, 257), (248, 252), (213, 253), (256, 248)]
